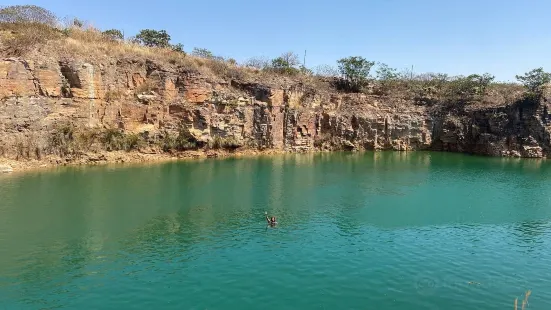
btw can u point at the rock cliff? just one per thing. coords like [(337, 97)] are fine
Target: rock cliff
[(156, 100)]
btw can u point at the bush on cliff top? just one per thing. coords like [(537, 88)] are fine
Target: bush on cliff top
[(153, 38), (355, 71), (114, 34), (535, 79)]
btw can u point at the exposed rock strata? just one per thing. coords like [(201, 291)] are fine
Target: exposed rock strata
[(144, 97)]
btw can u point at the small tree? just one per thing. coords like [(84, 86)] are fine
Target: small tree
[(355, 70), (387, 76), (534, 79), (481, 82), (113, 34), (153, 38), (286, 64), (386, 73), (290, 58), (27, 14), (178, 48), (202, 52), (257, 63), (282, 66)]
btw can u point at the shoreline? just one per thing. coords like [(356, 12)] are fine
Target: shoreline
[(140, 158), (121, 157)]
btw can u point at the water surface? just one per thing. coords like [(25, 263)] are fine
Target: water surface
[(357, 231)]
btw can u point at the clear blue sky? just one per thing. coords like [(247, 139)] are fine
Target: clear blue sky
[(504, 37)]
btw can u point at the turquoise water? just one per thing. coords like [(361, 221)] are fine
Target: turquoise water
[(356, 231)]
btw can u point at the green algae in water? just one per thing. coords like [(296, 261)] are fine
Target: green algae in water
[(356, 231)]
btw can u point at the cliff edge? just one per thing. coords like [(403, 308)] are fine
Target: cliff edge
[(79, 98)]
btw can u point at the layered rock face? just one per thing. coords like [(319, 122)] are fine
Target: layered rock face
[(154, 100)]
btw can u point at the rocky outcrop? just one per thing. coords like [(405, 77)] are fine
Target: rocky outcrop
[(146, 98)]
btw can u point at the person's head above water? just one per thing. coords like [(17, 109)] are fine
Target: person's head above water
[(273, 219)]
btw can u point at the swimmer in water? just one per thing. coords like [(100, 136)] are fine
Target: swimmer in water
[(271, 220)]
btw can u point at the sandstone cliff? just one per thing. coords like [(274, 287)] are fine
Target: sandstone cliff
[(155, 101)]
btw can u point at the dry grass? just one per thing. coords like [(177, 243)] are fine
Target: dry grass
[(89, 43), (19, 39)]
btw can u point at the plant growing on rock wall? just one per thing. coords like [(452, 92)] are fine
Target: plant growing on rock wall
[(62, 139), (355, 71), (153, 38), (534, 79), (185, 140), (116, 140)]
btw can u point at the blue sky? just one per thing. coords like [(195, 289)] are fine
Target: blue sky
[(452, 36)]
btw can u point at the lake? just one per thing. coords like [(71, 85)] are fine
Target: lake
[(356, 231)]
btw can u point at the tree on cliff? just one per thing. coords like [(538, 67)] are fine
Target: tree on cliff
[(534, 79), (481, 82), (386, 73), (355, 71), (153, 38), (202, 52), (178, 48), (286, 64), (27, 14), (113, 34)]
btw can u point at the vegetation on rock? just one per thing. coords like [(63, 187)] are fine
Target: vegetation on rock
[(34, 32), (114, 34), (153, 38), (355, 71), (535, 79)]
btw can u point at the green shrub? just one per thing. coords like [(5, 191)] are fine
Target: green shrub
[(61, 140), (113, 34), (178, 48), (387, 77), (153, 38), (285, 64), (355, 71), (202, 52), (534, 80), (167, 142), (185, 140), (116, 140)]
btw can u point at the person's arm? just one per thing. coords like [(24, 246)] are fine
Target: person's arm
[(267, 218)]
